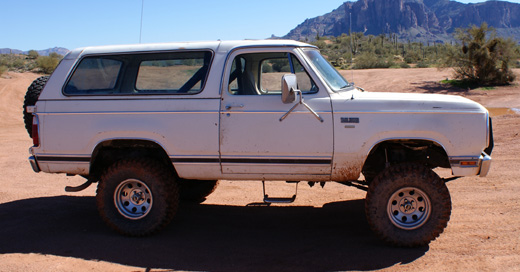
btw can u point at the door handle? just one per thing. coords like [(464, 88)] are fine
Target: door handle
[(229, 107)]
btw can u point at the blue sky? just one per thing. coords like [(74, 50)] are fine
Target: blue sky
[(37, 24)]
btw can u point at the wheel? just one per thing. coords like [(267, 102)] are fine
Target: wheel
[(31, 96), (408, 205), (137, 197), (196, 191)]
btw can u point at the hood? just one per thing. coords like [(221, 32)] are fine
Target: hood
[(402, 102)]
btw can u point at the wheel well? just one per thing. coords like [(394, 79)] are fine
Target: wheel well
[(428, 153), (108, 152)]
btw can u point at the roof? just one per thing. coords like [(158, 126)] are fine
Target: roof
[(221, 46)]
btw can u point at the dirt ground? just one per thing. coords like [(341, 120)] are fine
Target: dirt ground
[(43, 228)]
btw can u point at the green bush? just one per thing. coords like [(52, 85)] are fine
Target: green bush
[(404, 65), (3, 69), (422, 64), (47, 64), (483, 58), (33, 54), (370, 61)]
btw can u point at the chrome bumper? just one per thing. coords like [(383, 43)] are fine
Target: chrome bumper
[(34, 164), (485, 164)]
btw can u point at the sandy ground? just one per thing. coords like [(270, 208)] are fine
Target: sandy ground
[(43, 228)]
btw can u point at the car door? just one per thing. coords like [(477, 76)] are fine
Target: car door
[(253, 137)]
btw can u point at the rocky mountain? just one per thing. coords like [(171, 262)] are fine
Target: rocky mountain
[(414, 20), (60, 50)]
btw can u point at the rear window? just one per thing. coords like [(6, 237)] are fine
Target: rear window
[(154, 73)]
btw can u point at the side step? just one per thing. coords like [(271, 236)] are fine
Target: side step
[(286, 200)]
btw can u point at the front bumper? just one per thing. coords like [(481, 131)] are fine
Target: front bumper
[(485, 164), (470, 165)]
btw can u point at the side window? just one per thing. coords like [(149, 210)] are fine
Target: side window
[(134, 74), (305, 83), (183, 72), (94, 75), (271, 74), (274, 68), (237, 70), (261, 74)]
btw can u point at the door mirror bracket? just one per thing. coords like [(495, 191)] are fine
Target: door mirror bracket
[(289, 92)]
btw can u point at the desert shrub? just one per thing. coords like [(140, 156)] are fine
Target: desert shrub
[(33, 54), (422, 64), (404, 65), (369, 61), (47, 64), (3, 69), (483, 57)]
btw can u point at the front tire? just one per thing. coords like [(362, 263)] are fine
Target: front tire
[(408, 205), (137, 197)]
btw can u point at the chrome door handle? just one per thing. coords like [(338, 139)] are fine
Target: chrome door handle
[(229, 107)]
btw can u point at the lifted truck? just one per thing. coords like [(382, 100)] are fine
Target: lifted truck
[(154, 124)]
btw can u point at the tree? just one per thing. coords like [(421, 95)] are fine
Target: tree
[(483, 58)]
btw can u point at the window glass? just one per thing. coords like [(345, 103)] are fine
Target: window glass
[(261, 74), (333, 78), (237, 69), (173, 73), (94, 75), (134, 74)]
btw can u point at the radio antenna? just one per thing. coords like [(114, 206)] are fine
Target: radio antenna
[(351, 45), (141, 28)]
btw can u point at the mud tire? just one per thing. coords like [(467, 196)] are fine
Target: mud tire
[(31, 97), (417, 183), (117, 186)]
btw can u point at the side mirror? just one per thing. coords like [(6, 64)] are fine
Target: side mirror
[(289, 85)]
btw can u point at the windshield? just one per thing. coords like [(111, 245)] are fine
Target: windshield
[(333, 78)]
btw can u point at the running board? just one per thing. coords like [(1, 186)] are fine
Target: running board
[(285, 200)]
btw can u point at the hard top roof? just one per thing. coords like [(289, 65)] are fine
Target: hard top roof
[(220, 46)]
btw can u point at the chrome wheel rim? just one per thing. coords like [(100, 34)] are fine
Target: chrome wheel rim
[(133, 199), (409, 208)]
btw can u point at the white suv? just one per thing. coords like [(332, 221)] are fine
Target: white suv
[(156, 123)]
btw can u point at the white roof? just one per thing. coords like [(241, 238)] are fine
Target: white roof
[(220, 46)]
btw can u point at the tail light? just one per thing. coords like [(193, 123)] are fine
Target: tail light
[(35, 134)]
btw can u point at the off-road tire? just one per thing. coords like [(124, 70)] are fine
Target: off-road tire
[(391, 219), (196, 191), (119, 192), (31, 96)]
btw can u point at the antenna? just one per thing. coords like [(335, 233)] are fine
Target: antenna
[(351, 44), (141, 28)]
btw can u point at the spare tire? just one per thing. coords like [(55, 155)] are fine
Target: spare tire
[(33, 92)]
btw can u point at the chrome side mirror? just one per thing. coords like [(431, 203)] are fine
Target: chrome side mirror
[(289, 85), (289, 90)]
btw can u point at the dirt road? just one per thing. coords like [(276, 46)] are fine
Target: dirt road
[(43, 228)]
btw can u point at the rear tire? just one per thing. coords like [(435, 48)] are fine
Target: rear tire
[(31, 97), (137, 197), (408, 205)]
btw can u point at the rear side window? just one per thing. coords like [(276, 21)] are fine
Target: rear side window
[(94, 75), (173, 73), (134, 74)]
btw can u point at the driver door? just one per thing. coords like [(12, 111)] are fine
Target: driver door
[(253, 139)]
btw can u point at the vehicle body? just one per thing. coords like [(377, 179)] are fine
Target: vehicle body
[(244, 110)]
